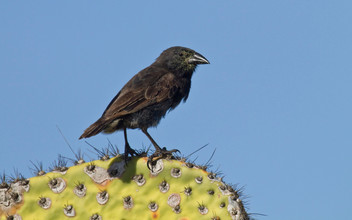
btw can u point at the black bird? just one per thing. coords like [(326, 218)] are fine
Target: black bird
[(146, 98)]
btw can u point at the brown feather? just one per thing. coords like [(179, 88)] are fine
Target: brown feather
[(147, 97), (132, 98), (135, 96), (94, 129)]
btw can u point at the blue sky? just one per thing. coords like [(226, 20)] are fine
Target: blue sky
[(275, 102)]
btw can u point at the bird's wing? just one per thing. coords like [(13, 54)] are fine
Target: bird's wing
[(144, 89)]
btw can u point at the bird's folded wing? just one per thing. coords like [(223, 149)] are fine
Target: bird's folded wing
[(134, 97)]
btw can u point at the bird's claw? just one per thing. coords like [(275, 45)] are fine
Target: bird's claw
[(160, 154), (131, 152)]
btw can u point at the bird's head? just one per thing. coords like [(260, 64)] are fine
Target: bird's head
[(181, 60)]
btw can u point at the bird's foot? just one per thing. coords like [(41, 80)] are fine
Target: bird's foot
[(129, 151), (160, 153)]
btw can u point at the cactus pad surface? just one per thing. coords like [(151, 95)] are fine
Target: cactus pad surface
[(108, 190)]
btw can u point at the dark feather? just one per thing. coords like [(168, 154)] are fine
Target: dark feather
[(146, 98), (94, 129)]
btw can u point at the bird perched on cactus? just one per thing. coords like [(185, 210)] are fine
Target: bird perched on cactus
[(146, 98)]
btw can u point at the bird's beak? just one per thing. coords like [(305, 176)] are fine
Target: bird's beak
[(198, 59)]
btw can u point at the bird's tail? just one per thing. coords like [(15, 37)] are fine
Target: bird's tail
[(94, 129)]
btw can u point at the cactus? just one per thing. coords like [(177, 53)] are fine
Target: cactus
[(109, 189)]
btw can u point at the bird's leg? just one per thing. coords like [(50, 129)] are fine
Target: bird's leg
[(128, 149), (157, 148), (159, 152)]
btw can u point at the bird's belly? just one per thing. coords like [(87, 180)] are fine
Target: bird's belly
[(113, 126), (147, 117)]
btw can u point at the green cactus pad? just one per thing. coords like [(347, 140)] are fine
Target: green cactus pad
[(108, 190)]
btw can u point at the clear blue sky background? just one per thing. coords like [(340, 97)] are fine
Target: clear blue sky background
[(275, 101)]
